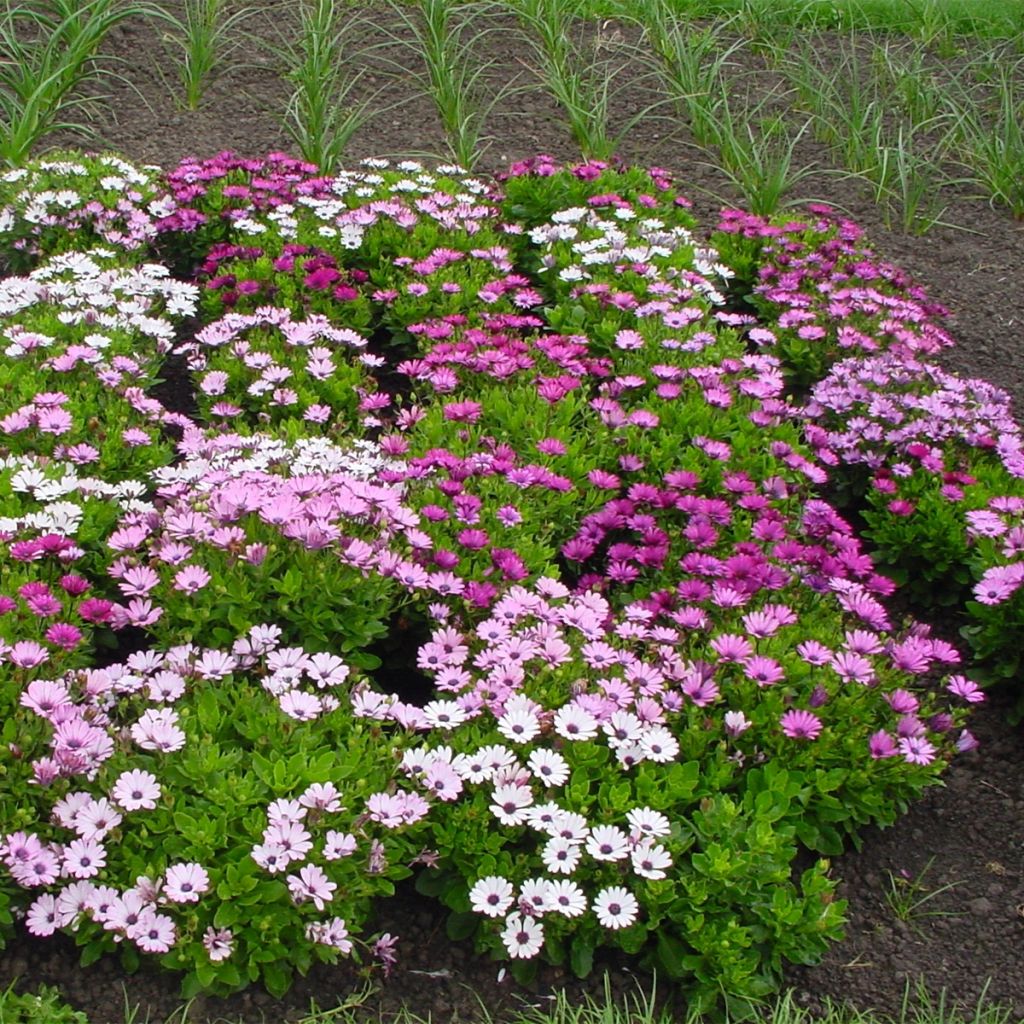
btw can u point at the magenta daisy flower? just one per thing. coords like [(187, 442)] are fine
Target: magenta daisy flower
[(800, 725)]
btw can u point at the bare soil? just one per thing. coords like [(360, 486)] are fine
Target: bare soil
[(935, 901)]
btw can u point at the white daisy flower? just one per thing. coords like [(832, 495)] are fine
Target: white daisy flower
[(616, 907), (492, 896), (523, 936)]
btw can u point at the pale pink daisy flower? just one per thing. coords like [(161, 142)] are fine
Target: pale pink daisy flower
[(219, 944), (136, 790), (84, 858), (191, 578), (333, 933), (338, 845), (280, 812), (303, 707), (43, 918), (96, 818), (322, 796), (312, 883), (291, 836), (271, 857), (916, 750), (157, 729), (74, 899), (184, 883), (43, 869), (153, 932)]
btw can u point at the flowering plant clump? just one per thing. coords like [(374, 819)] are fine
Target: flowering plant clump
[(68, 202), (916, 450), (242, 278), (266, 368), (495, 547), (996, 608), (85, 336), (935, 446), (824, 295), (204, 198), (237, 791)]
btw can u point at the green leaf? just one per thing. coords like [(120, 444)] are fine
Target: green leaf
[(277, 978), (581, 956), (672, 954), (462, 925)]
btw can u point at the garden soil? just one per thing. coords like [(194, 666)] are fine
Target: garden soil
[(935, 902)]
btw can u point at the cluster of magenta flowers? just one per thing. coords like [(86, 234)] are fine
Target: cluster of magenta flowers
[(924, 448), (517, 445)]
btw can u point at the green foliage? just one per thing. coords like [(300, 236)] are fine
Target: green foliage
[(44, 1006)]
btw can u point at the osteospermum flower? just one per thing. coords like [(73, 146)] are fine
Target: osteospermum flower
[(917, 750), (311, 883), (800, 725), (523, 936), (157, 729), (649, 823), (492, 896), (191, 579), (616, 907), (510, 803), (136, 790), (548, 767), (42, 918), (153, 932), (565, 897), (83, 858), (573, 723), (184, 883), (333, 933), (561, 855), (606, 842), (219, 943), (650, 860), (96, 819), (658, 744)]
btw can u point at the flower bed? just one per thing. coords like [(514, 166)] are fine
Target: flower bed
[(497, 551)]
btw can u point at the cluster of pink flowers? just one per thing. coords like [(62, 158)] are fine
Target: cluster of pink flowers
[(825, 288), (588, 483), (896, 415)]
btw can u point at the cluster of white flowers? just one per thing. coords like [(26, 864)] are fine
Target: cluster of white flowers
[(50, 483)]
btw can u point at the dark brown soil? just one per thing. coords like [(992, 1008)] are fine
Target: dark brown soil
[(958, 855)]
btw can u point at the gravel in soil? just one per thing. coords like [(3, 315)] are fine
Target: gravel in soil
[(936, 900)]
